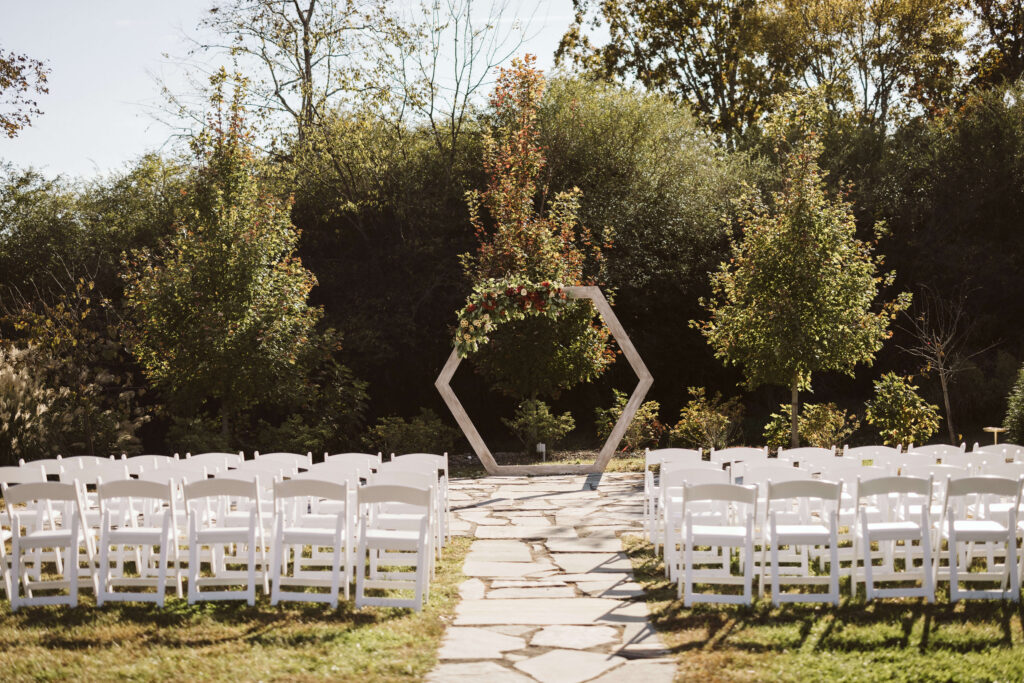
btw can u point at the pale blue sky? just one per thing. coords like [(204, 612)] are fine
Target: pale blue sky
[(104, 56)]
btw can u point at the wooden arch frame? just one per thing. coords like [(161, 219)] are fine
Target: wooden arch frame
[(604, 309)]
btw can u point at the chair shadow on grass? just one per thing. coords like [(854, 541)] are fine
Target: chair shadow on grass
[(261, 624), (854, 626)]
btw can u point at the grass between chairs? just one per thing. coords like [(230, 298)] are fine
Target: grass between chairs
[(888, 640), (467, 464), (230, 641)]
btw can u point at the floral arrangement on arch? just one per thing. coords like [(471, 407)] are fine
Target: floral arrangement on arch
[(497, 301)]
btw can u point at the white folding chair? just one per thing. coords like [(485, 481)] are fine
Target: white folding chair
[(658, 457), (209, 504), (404, 515), (338, 471), (731, 526), (670, 506), (11, 475), (968, 518), (350, 473), (83, 460), (440, 464), (51, 466), (87, 475), (801, 514), (298, 461), (33, 533), (728, 456), (809, 457), (410, 547), (976, 461), (884, 456), (300, 522), (137, 464), (887, 517), (140, 515), (217, 462), (368, 459), (939, 450)]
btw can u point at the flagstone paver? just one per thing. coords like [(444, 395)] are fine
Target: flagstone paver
[(568, 666), (551, 596)]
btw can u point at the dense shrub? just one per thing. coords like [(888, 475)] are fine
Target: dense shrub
[(819, 424), (534, 423), (644, 431), (24, 402), (1014, 420), (899, 413), (707, 423), (424, 433)]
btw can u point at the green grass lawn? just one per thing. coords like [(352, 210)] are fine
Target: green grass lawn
[(228, 640), (889, 640)]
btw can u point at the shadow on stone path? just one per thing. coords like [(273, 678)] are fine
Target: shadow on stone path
[(549, 594)]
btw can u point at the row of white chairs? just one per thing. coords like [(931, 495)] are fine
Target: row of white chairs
[(885, 459), (799, 538), (220, 534), (663, 498)]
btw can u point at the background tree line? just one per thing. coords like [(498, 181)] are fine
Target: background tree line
[(662, 130)]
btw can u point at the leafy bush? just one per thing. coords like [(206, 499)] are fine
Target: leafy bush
[(97, 406), (424, 433), (1014, 420), (819, 424), (899, 413), (24, 402), (707, 423), (645, 429), (534, 423), (328, 411)]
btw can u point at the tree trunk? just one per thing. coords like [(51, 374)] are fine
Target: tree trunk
[(949, 415), (794, 408)]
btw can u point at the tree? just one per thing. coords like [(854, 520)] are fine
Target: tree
[(872, 55), (997, 46), (1014, 420), (796, 297), (726, 58), (307, 52), (535, 355), (218, 313), (941, 334), (899, 413), (20, 75), (444, 60)]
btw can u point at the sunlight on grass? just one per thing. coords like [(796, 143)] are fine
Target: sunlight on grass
[(230, 641), (890, 640)]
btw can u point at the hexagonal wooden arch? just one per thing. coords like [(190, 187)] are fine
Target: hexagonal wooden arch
[(443, 384)]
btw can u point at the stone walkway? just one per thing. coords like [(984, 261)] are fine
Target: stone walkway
[(550, 595)]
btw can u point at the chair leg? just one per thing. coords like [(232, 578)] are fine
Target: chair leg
[(161, 579), (954, 584), (775, 571), (748, 568), (336, 573), (104, 572), (360, 569), (72, 564), (834, 569), (926, 566), (688, 574), (193, 570), (275, 566), (250, 592), (1011, 564)]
